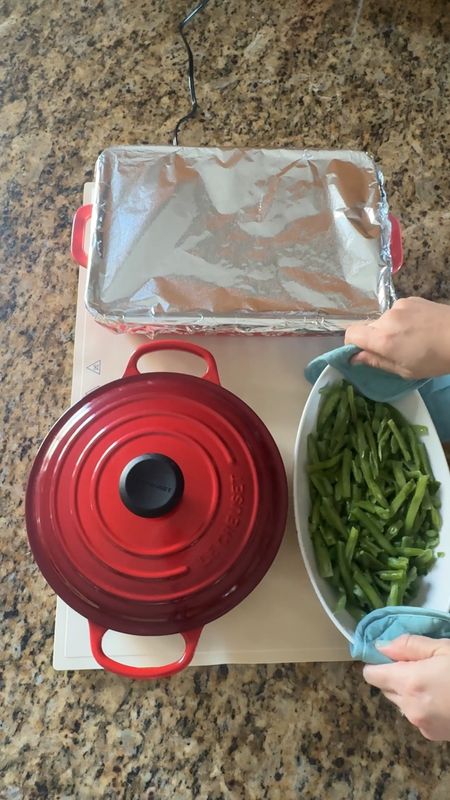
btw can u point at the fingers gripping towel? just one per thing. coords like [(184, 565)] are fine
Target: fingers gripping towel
[(385, 624)]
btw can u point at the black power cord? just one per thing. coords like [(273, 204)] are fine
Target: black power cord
[(191, 79)]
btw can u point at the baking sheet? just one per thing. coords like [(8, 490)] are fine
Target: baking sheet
[(281, 621), (205, 240)]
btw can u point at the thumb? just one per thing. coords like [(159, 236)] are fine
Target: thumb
[(409, 647)]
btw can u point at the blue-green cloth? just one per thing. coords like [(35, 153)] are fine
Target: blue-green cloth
[(384, 387), (386, 624)]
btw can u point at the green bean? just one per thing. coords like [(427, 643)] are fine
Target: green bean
[(353, 440), (328, 406), (419, 522), (362, 408), (392, 575), (394, 529), (320, 466), (371, 441), (328, 535), (340, 424), (361, 438), (382, 437), (341, 603), (369, 523), (351, 403), (399, 475), (372, 508), (412, 575), (400, 440), (413, 474), (374, 489), (368, 561), (411, 552), (370, 546), (395, 447), (398, 562), (374, 465), (346, 467), (323, 449), (384, 543), (322, 484), (392, 413), (407, 541), (376, 425), (414, 446), (322, 557), (344, 568), (427, 504), (315, 514), (370, 592), (335, 578), (331, 516), (394, 594), (433, 542), (356, 493), (425, 461), (356, 613), (416, 502), (425, 558), (421, 430), (357, 474), (402, 587), (382, 585), (433, 487), (436, 519), (351, 544), (313, 455), (402, 496)]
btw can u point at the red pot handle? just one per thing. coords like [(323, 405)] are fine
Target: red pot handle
[(80, 221), (211, 373), (396, 244), (96, 634)]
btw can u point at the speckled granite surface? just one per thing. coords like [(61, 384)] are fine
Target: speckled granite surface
[(75, 78)]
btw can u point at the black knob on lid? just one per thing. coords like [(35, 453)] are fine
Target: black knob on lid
[(151, 485)]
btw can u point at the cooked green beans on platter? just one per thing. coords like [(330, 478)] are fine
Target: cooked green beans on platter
[(374, 518)]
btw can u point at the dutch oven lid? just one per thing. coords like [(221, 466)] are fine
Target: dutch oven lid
[(157, 502)]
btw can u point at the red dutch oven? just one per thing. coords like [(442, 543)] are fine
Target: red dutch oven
[(155, 505)]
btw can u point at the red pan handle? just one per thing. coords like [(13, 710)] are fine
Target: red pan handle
[(96, 634), (396, 244), (211, 373), (80, 221)]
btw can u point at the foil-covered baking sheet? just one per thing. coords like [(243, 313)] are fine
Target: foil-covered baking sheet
[(187, 239)]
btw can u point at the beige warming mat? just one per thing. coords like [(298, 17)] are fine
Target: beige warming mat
[(282, 620)]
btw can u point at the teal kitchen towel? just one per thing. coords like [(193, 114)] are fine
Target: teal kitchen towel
[(385, 624), (376, 384)]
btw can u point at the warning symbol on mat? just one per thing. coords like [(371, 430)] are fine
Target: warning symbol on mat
[(96, 367)]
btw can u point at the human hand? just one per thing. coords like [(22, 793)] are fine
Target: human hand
[(418, 682), (412, 339)]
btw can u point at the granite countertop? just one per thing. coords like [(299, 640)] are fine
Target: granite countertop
[(77, 77)]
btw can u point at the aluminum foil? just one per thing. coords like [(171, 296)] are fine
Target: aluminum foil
[(189, 240)]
